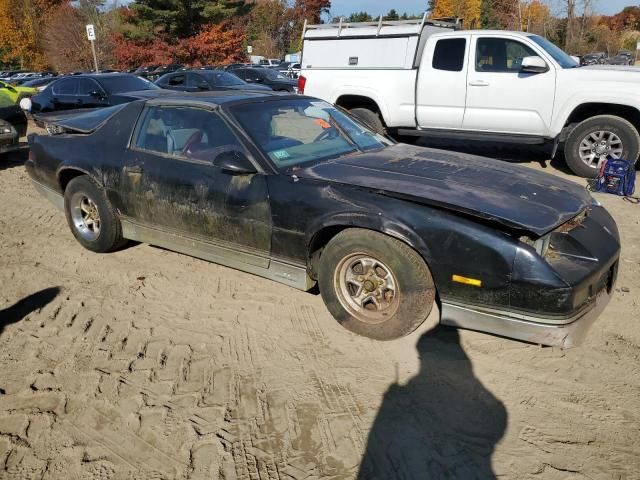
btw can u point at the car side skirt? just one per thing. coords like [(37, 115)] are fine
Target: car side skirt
[(289, 274), (562, 333), (292, 275)]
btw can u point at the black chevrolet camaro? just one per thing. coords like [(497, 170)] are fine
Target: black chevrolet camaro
[(290, 188)]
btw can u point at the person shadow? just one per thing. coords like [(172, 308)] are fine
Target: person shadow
[(443, 424), (24, 307)]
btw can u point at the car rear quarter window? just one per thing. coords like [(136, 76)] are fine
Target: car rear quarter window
[(449, 54)]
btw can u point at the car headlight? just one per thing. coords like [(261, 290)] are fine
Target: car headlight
[(5, 127)]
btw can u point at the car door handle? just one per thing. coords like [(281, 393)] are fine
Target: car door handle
[(478, 83), (133, 170)]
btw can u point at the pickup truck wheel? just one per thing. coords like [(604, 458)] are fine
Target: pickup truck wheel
[(375, 285), (598, 138), (369, 118), (91, 217)]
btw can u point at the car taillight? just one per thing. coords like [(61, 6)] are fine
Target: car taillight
[(301, 83)]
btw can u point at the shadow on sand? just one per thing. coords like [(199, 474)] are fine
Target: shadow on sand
[(24, 307), (443, 424)]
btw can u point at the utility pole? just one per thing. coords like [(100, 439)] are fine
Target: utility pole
[(91, 35)]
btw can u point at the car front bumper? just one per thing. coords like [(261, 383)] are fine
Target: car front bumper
[(561, 332)]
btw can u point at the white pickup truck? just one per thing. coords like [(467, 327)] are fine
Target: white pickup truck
[(424, 78)]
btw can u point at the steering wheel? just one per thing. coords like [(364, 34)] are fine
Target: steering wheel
[(193, 139), (328, 133)]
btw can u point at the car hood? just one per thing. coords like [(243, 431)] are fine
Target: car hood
[(515, 196)]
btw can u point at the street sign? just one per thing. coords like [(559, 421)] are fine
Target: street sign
[(91, 33), (638, 46), (249, 49)]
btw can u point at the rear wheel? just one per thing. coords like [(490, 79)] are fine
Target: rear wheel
[(91, 217), (375, 285), (597, 138), (369, 118)]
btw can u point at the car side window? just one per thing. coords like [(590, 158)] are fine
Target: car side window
[(449, 54), (501, 55), (186, 132), (176, 80), (86, 86), (67, 86), (240, 72), (195, 80)]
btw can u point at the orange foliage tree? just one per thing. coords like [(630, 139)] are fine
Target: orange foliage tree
[(22, 29)]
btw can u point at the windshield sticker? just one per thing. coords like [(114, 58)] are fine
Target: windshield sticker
[(322, 123), (280, 154)]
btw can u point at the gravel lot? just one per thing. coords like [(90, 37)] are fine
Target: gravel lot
[(149, 364)]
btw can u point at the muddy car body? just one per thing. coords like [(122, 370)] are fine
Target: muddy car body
[(385, 229)]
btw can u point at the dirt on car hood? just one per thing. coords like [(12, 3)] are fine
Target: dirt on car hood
[(515, 196)]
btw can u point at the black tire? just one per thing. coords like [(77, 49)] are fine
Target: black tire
[(370, 119), (109, 235), (415, 292), (625, 131)]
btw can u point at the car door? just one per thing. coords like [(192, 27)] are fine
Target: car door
[(90, 94), (170, 183), (64, 94), (501, 98), (442, 84)]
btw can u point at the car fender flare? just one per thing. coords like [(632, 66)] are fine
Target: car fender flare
[(380, 223), (65, 168)]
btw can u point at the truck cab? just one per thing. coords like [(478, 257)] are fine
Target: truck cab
[(432, 79)]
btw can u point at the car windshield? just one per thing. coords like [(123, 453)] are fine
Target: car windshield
[(223, 79), (559, 55), (125, 83), (292, 132)]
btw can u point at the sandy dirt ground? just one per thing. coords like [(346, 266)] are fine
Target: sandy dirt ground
[(147, 364)]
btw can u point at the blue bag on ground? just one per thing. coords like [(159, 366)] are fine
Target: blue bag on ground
[(616, 176)]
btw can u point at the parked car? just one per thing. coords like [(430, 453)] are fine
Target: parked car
[(265, 76), (205, 80), (597, 58), (16, 93), (13, 124), (161, 70), (295, 190), (484, 85), (89, 91), (623, 57), (145, 70)]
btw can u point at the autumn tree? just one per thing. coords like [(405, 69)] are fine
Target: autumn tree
[(468, 10), (22, 31), (269, 28)]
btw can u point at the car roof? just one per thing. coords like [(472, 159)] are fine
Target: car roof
[(220, 97)]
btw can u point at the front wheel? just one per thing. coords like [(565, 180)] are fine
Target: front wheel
[(375, 285), (598, 138), (91, 217), (369, 118)]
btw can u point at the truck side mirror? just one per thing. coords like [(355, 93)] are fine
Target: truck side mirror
[(534, 64)]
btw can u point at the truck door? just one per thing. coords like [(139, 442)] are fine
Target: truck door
[(501, 98), (442, 83)]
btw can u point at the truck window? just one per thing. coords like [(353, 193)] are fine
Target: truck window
[(449, 54), (500, 55)]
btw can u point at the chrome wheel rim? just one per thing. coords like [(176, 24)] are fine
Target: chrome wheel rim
[(599, 145), (85, 216), (367, 288)]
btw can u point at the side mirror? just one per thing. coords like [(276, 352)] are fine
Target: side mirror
[(576, 59), (533, 64), (234, 163), (203, 86)]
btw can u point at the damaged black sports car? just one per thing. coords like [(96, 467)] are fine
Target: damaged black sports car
[(290, 188)]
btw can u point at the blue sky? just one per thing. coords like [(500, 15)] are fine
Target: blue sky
[(377, 7)]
